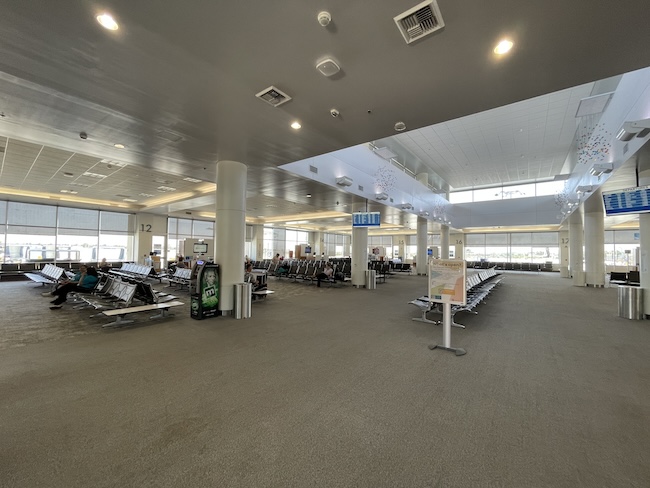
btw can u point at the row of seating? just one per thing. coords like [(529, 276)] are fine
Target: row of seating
[(136, 270), (117, 296), (49, 275), (180, 278), (20, 269), (478, 286), (507, 266), (631, 278)]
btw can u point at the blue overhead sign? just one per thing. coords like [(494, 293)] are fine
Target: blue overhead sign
[(366, 219), (629, 201)]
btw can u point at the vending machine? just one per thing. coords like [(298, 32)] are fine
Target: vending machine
[(205, 296)]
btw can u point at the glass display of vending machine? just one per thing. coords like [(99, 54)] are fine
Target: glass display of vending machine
[(205, 296)]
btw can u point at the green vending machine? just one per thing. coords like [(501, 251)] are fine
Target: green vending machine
[(205, 299)]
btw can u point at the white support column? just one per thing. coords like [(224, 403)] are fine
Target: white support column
[(444, 242), (230, 229), (644, 236), (359, 250), (594, 235), (147, 225), (258, 242), (564, 254), (575, 249), (458, 241), (400, 242), (422, 258)]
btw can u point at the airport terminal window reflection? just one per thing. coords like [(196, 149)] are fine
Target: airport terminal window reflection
[(294, 238), (487, 194), (549, 188), (273, 242), (76, 246), (461, 196), (23, 247), (202, 228), (114, 247)]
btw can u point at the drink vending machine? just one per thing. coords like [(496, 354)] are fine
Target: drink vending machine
[(205, 283)]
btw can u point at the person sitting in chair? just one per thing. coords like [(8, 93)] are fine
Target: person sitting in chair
[(327, 274), (84, 281), (249, 277)]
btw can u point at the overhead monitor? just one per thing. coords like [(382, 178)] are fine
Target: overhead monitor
[(628, 201), (366, 219), (200, 248)]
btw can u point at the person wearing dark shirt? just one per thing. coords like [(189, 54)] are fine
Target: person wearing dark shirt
[(83, 282)]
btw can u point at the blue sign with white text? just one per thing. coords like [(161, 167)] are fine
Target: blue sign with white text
[(629, 201), (366, 219)]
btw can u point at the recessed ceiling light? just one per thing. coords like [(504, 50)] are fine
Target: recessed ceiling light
[(503, 47), (130, 200), (119, 146), (146, 195), (72, 192), (296, 125), (107, 22), (68, 174), (192, 180), (308, 195)]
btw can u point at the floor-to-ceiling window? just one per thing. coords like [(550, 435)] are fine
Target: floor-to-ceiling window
[(36, 232), (622, 248)]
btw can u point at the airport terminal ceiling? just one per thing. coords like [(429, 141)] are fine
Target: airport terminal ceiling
[(176, 85)]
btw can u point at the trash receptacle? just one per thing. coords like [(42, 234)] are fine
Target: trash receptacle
[(630, 302), (243, 293), (371, 279)]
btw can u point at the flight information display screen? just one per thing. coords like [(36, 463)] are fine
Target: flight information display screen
[(366, 219), (628, 201)]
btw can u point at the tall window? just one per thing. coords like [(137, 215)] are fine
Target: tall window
[(36, 232), (31, 232)]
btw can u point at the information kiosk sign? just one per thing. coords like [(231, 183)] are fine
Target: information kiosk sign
[(447, 278)]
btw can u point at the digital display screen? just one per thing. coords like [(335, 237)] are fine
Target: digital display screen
[(200, 248), (628, 201), (366, 219)]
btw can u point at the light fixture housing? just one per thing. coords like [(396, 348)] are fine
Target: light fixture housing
[(599, 169), (344, 181), (504, 46), (630, 130), (381, 196), (585, 189), (107, 21), (406, 206)]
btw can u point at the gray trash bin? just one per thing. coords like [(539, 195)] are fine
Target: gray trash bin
[(371, 279), (243, 294), (630, 302)]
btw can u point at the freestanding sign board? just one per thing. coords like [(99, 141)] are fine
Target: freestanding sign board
[(447, 285), (447, 278)]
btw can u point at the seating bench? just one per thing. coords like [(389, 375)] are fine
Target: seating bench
[(120, 313), (478, 286), (49, 275)]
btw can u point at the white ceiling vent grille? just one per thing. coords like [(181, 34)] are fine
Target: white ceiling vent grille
[(313, 169), (273, 96), (419, 21)]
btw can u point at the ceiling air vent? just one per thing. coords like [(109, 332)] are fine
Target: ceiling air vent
[(313, 169), (419, 21), (360, 188), (273, 96)]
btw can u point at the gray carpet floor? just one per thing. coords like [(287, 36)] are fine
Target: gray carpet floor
[(329, 387)]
